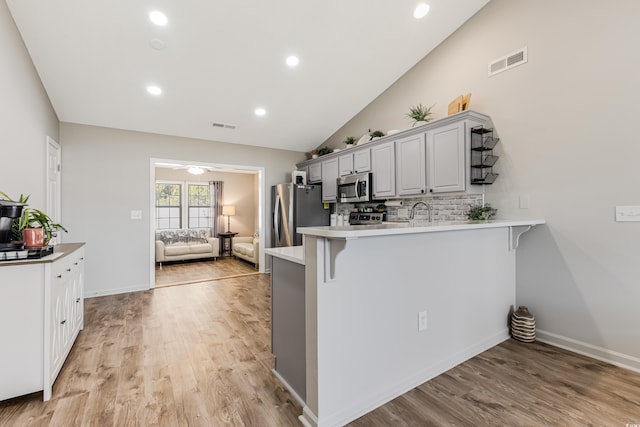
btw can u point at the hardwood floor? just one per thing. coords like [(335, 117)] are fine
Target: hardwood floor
[(518, 384), (194, 271), (193, 355), (199, 355)]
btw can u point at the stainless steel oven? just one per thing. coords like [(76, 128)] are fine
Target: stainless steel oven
[(354, 188)]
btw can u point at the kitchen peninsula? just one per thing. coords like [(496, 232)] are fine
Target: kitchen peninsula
[(390, 306)]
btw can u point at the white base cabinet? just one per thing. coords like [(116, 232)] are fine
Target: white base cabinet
[(41, 313)]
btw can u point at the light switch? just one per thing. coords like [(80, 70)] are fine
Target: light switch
[(524, 201), (136, 214), (627, 213)]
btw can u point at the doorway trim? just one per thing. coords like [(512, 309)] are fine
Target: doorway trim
[(223, 168)]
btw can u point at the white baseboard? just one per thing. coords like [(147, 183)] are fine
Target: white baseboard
[(115, 291), (618, 359), (295, 395), (358, 409)]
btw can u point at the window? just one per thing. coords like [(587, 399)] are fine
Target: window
[(168, 205), (199, 211)]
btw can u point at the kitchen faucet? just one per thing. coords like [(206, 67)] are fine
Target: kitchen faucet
[(426, 205)]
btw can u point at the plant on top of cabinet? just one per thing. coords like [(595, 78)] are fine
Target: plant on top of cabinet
[(314, 153), (376, 134), (481, 213), (350, 140), (419, 113), (324, 151)]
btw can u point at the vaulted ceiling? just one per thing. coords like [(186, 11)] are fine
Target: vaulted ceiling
[(217, 61)]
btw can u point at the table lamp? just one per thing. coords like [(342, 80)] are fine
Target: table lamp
[(228, 211)]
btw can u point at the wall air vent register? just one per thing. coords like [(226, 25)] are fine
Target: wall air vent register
[(508, 62)]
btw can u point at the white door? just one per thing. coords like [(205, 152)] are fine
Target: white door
[(53, 182)]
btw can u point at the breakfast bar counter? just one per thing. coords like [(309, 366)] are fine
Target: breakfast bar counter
[(390, 306)]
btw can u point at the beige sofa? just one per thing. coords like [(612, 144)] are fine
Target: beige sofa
[(246, 248), (180, 245)]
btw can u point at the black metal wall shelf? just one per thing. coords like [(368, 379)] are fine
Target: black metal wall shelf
[(482, 158)]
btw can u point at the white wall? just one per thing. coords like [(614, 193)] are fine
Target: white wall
[(567, 120), (106, 175), (240, 190), (26, 118)]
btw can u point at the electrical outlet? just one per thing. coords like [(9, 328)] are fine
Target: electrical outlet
[(403, 212), (136, 214), (422, 320)]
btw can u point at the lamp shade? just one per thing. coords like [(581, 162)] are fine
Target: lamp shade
[(228, 210)]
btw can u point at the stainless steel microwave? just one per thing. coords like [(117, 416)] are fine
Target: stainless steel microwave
[(354, 188)]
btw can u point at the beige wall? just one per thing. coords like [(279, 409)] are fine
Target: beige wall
[(568, 123), (97, 202), (240, 190), (26, 118)]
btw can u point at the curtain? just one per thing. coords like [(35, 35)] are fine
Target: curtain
[(216, 191)]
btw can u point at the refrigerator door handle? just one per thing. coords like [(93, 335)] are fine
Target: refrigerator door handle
[(276, 218)]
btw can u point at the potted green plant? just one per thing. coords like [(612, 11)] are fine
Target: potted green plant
[(37, 227), (376, 134), (34, 227), (481, 213), (350, 141), (314, 154), (419, 114), (323, 151)]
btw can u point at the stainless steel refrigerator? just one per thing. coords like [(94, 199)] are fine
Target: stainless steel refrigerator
[(295, 205)]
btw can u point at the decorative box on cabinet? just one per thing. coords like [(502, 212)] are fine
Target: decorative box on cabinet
[(482, 158), (44, 302)]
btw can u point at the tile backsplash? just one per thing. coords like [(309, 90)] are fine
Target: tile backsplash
[(443, 208)]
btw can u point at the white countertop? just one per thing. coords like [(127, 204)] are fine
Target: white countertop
[(290, 253), (419, 226)]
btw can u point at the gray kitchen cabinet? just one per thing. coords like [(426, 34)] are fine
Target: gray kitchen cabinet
[(329, 180), (362, 160), (358, 161), (315, 173), (446, 158), (411, 165), (383, 170), (288, 323), (345, 164)]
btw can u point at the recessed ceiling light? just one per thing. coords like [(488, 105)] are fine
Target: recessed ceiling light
[(292, 61), (154, 90), (260, 111), (157, 44), (158, 18), (421, 10)]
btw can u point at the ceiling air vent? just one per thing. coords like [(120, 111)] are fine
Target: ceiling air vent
[(507, 62), (223, 125)]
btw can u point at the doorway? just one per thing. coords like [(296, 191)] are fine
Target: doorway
[(243, 188)]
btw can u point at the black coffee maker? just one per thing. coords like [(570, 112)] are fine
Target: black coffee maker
[(8, 212)]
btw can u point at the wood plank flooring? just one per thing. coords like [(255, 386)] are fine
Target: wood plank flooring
[(199, 355), (194, 271)]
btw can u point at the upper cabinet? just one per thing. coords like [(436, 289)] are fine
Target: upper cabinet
[(329, 180), (315, 173), (410, 165), (383, 170), (433, 158), (446, 158), (356, 162), (345, 164), (362, 160)]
